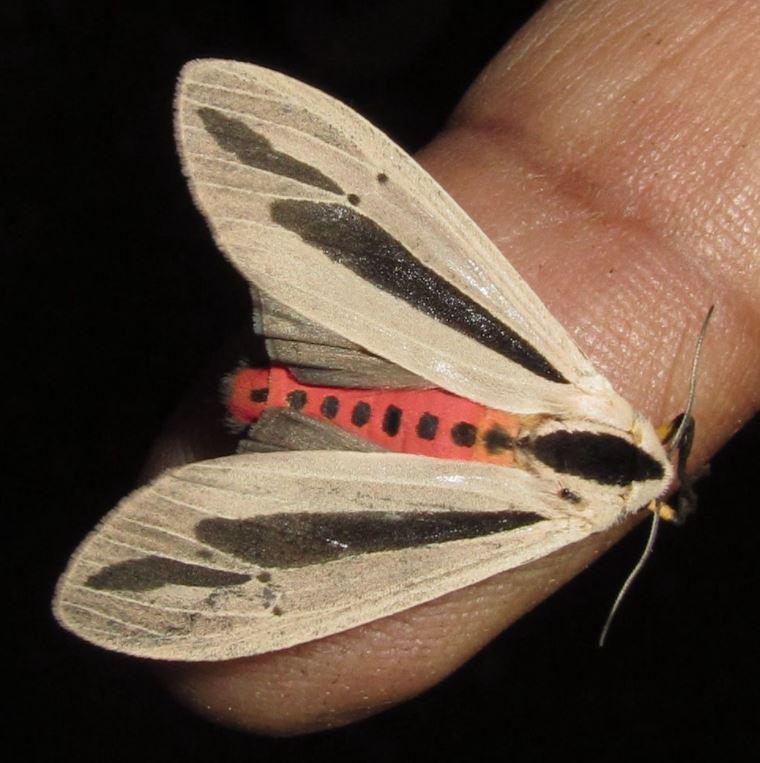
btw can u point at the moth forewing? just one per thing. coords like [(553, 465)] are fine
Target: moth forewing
[(365, 270), (218, 560), (483, 334)]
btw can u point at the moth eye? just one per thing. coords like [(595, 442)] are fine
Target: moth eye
[(568, 495)]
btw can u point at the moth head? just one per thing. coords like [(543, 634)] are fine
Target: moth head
[(677, 437), (648, 441), (620, 468)]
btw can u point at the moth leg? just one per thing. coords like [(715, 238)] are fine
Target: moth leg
[(666, 512)]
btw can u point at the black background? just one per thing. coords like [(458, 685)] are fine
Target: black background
[(119, 298)]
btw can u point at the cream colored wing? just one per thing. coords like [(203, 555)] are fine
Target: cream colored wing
[(324, 214), (252, 553)]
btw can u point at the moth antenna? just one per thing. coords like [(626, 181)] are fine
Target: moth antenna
[(645, 554), (683, 435), (686, 415)]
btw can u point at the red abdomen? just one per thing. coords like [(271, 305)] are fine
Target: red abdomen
[(428, 422)]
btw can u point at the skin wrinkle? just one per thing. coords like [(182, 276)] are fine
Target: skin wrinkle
[(574, 160), (579, 190), (649, 283), (650, 225), (633, 93)]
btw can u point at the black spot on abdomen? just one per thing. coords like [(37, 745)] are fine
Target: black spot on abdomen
[(392, 420), (361, 413), (427, 426), (464, 434)]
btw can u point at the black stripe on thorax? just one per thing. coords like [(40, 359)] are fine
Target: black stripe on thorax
[(604, 458), (361, 245), (304, 538)]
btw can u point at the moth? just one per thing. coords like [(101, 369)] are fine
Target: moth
[(425, 423)]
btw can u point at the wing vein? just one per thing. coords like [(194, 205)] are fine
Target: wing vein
[(112, 618), (162, 607), (235, 90)]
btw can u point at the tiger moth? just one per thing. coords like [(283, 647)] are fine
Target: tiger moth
[(425, 423)]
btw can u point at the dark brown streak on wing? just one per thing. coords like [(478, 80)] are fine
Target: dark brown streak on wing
[(255, 150), (302, 538), (361, 245), (151, 572)]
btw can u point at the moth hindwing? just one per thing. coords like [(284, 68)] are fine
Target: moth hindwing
[(426, 422)]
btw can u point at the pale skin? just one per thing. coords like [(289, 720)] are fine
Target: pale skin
[(619, 148)]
